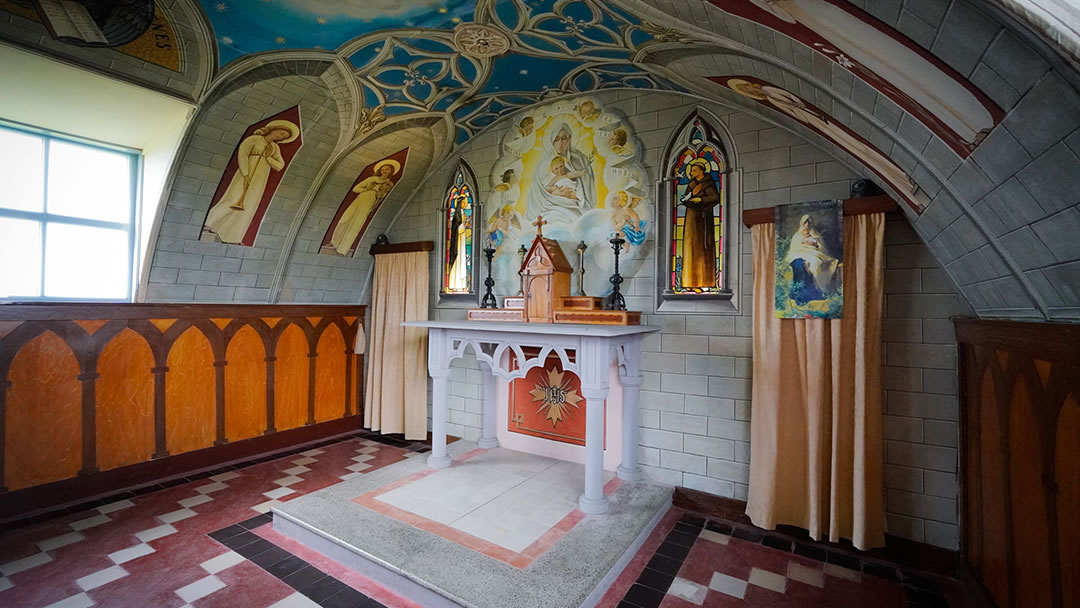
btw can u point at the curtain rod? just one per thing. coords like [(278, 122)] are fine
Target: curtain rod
[(402, 247), (852, 206)]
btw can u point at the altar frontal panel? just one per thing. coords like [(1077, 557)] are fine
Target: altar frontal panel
[(547, 403)]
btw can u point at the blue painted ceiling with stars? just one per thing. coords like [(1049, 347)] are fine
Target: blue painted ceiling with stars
[(412, 56)]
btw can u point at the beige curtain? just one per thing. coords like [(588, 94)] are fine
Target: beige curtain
[(396, 398), (815, 430)]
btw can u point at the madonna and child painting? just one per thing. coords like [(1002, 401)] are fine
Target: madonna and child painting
[(809, 261)]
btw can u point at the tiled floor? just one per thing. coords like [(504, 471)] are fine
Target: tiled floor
[(205, 542)]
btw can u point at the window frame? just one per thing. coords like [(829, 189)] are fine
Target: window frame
[(45, 218), (472, 297), (725, 301)]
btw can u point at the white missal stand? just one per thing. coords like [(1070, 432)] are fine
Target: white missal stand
[(595, 348)]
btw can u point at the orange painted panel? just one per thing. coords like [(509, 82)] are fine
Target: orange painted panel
[(125, 402), (1068, 503), (162, 324), (330, 375), (245, 386), (995, 565), (271, 321), (291, 380), (91, 326), (189, 394), (44, 414), (1031, 538)]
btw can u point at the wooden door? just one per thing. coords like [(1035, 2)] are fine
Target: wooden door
[(537, 307)]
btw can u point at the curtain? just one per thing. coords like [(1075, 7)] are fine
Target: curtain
[(815, 428), (396, 397)]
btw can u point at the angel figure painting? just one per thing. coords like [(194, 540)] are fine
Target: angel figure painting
[(809, 260), (251, 178), (362, 201)]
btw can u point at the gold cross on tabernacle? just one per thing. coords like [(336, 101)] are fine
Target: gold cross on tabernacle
[(539, 223)]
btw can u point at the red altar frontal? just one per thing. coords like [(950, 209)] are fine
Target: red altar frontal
[(547, 403)]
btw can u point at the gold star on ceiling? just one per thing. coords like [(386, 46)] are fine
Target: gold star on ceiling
[(280, 40), (321, 20), (221, 7)]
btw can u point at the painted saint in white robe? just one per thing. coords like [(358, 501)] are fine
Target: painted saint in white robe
[(370, 193), (259, 154)]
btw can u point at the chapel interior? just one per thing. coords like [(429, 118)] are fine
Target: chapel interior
[(540, 303)]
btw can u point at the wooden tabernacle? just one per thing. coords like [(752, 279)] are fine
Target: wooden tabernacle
[(545, 284)]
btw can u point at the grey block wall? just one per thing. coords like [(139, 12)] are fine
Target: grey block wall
[(696, 399)]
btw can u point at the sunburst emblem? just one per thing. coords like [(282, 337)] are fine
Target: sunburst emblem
[(554, 397)]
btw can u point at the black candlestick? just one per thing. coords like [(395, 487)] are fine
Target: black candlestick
[(615, 300), (489, 298)]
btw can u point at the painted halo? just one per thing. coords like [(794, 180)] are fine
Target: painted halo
[(393, 164), (286, 125)]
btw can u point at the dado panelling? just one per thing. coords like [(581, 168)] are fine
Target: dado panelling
[(91, 388)]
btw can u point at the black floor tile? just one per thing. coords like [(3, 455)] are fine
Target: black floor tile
[(777, 542), (324, 588), (670, 549), (227, 532), (146, 490), (665, 564), (805, 550), (270, 557), (921, 582), (923, 597), (692, 520), (885, 572), (255, 522), (304, 578), (250, 550), (236, 541), (681, 538), (346, 598), (846, 561), (179, 481), (644, 597), (681, 527), (286, 566), (718, 526), (203, 475), (85, 506), (654, 579), (747, 534)]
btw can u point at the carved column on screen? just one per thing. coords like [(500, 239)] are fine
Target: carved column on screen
[(270, 429), (631, 379), (219, 385), (439, 370), (89, 434), (360, 386), (4, 384), (311, 386), (348, 381), (594, 360), (160, 449), (488, 438)]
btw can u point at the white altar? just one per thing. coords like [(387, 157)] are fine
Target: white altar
[(596, 348)]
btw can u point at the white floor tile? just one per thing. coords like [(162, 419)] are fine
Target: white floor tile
[(226, 476), (296, 600), (60, 541), (728, 585), (288, 481), (348, 476), (842, 572), (155, 533), (304, 461), (89, 522), (76, 601), (368, 449), (133, 552), (200, 588), (715, 537), (21, 565), (805, 574), (296, 470), (175, 516), (363, 457), (688, 590), (115, 506), (358, 467), (265, 507), (194, 501), (278, 493), (5, 583), (101, 577), (768, 580), (221, 562), (314, 452), (211, 487)]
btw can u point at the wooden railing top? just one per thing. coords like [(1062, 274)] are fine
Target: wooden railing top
[(1039, 339), (47, 311), (402, 247), (852, 206)]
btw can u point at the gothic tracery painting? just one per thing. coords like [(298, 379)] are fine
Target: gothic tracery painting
[(697, 213)]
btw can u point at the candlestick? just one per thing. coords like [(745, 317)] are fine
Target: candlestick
[(581, 267), (522, 252), (615, 300), (489, 298)]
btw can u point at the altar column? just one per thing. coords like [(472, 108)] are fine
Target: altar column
[(439, 370), (488, 438), (631, 379), (594, 361)]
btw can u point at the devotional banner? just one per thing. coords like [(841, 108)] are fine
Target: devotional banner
[(810, 260), (251, 178), (577, 165), (361, 202)]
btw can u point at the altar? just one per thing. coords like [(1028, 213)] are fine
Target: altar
[(590, 351)]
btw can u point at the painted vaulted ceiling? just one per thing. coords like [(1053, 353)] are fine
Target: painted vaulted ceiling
[(967, 111)]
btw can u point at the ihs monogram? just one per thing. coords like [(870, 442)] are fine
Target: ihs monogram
[(554, 397)]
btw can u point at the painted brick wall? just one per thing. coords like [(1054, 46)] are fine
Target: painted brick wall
[(695, 404)]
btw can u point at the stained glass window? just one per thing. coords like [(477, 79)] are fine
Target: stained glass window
[(697, 235), (458, 250)]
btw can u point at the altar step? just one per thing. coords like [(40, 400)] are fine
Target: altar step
[(497, 529)]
